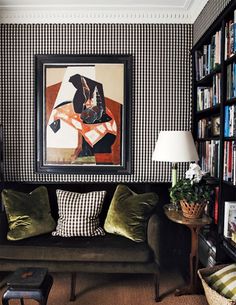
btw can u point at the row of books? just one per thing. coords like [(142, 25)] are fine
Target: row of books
[(209, 152), (230, 219), (208, 97), (209, 58), (230, 121), (229, 170), (204, 128), (231, 81), (230, 37), (209, 127)]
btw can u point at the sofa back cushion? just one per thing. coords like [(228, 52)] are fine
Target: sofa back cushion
[(129, 212), (79, 213), (160, 188), (27, 214)]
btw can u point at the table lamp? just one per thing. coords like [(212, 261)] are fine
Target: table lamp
[(175, 147)]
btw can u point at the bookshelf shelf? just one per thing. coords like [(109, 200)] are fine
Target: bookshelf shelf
[(229, 183), (229, 139), (209, 111), (208, 78), (230, 60), (230, 101), (208, 139), (214, 96), (212, 180)]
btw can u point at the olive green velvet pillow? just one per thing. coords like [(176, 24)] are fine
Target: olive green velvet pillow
[(28, 214), (129, 212)]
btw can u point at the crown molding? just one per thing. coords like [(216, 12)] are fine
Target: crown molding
[(94, 15), (89, 13), (196, 7)]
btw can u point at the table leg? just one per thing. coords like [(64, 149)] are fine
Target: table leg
[(193, 263)]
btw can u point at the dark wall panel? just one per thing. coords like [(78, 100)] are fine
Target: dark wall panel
[(208, 15)]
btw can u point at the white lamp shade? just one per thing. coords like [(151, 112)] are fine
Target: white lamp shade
[(175, 146)]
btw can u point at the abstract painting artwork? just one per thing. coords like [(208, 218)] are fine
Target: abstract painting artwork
[(83, 113)]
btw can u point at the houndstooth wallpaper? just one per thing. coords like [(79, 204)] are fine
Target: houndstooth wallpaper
[(161, 89), (208, 15)]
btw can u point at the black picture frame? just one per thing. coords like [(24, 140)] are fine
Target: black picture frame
[(1, 155), (83, 114)]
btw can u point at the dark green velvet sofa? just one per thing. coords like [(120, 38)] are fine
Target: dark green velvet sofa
[(106, 254)]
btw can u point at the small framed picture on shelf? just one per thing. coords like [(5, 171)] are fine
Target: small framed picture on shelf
[(215, 125), (229, 218)]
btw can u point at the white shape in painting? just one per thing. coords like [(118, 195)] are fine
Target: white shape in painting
[(63, 116), (77, 124), (93, 136), (101, 128), (114, 126), (109, 126), (65, 137)]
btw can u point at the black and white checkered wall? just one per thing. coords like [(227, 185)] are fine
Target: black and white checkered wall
[(161, 89), (207, 16)]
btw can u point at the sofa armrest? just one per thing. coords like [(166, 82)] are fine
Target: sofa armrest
[(154, 236), (3, 226)]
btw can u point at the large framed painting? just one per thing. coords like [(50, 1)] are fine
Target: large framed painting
[(83, 113)]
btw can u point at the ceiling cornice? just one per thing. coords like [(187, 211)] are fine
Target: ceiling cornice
[(71, 13), (196, 7)]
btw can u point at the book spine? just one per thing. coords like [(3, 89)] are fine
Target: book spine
[(229, 81), (209, 58), (226, 122), (234, 163), (225, 162), (212, 62), (226, 216), (231, 38), (230, 152), (216, 205)]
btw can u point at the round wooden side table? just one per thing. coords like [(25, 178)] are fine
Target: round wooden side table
[(194, 225)]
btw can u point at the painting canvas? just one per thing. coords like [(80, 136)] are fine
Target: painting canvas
[(83, 113)]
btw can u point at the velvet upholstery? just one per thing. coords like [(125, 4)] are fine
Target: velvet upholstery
[(27, 214), (84, 249), (129, 212), (110, 253), (15, 254), (74, 266)]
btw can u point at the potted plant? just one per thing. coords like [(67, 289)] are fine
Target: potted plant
[(192, 192)]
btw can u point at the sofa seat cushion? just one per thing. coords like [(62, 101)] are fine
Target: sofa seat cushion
[(108, 248)]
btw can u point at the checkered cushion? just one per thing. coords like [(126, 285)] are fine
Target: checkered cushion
[(78, 213)]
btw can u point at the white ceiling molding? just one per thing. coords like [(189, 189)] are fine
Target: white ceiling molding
[(196, 7), (100, 11)]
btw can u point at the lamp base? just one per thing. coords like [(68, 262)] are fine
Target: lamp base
[(174, 173)]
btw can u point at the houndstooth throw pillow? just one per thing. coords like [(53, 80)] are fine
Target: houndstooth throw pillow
[(78, 213)]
